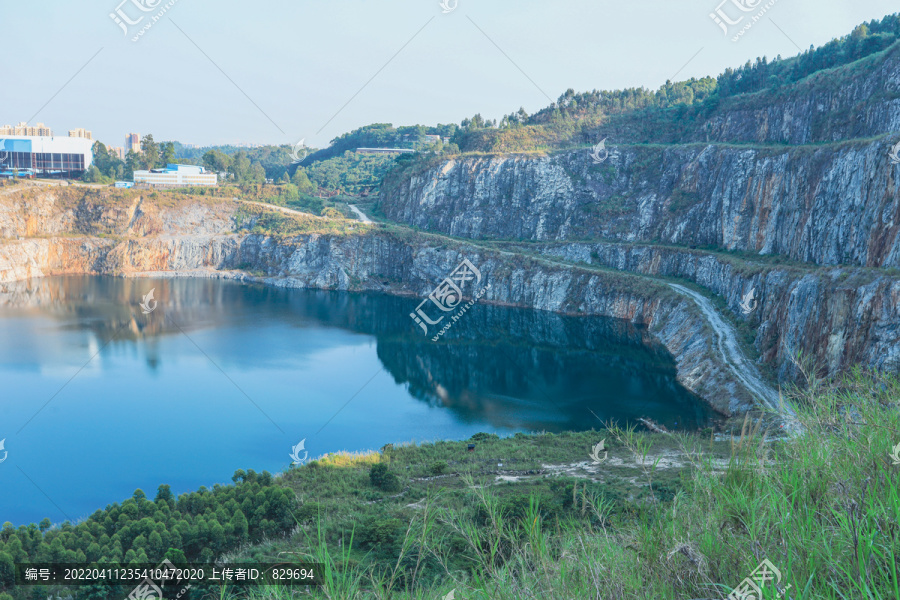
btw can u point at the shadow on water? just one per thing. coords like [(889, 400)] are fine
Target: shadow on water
[(513, 368)]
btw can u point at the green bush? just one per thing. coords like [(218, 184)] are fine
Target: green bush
[(378, 532), (438, 467), (309, 512), (383, 479)]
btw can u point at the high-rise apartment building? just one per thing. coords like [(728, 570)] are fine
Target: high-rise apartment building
[(80, 133), (120, 152), (23, 129), (132, 142)]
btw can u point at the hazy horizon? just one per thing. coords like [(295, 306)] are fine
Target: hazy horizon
[(316, 71)]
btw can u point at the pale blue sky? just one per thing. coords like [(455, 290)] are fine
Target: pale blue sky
[(300, 61)]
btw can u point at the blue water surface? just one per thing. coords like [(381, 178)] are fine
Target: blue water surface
[(98, 399)]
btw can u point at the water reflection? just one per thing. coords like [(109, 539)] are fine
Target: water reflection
[(510, 368)]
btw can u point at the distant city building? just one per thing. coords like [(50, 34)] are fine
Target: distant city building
[(44, 155), (23, 129), (383, 150), (80, 133), (176, 176), (132, 142), (432, 139), (120, 152)]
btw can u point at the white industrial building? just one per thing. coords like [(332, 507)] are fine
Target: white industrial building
[(53, 156), (176, 176)]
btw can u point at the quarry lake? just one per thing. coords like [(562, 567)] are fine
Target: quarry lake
[(98, 399)]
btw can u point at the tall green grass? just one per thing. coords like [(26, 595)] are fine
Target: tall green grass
[(823, 505)]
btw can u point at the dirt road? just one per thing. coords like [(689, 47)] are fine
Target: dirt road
[(359, 213), (742, 368)]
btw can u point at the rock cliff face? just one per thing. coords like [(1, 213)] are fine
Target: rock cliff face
[(802, 170), (205, 239), (837, 317), (797, 183), (826, 205)]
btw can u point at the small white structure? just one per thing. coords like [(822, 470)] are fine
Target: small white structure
[(176, 176), (384, 151)]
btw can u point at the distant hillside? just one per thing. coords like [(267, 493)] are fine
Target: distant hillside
[(380, 135), (840, 91), (699, 109)]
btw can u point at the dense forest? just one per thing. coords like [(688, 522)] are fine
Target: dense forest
[(194, 527)]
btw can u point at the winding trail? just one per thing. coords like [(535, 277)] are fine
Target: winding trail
[(743, 369), (283, 209), (362, 217), (360, 214)]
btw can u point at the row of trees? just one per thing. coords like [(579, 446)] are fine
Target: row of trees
[(241, 169), (107, 166), (864, 40)]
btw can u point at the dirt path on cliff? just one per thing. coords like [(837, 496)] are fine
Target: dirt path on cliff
[(362, 217), (283, 209), (360, 214), (742, 368)]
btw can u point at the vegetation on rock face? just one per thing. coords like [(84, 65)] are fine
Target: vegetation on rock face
[(664, 516), (352, 173), (270, 221)]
